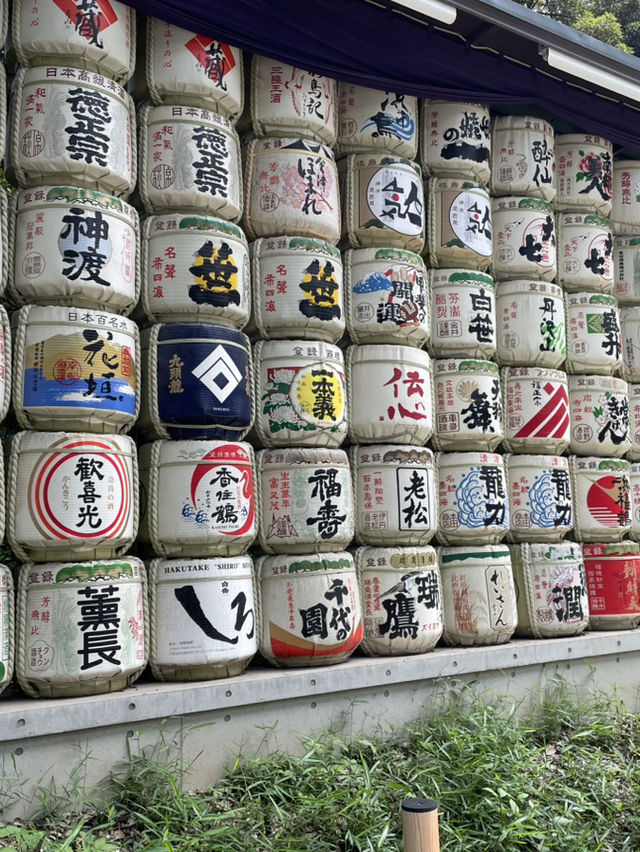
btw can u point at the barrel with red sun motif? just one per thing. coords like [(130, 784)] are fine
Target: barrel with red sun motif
[(536, 405), (602, 498), (612, 584)]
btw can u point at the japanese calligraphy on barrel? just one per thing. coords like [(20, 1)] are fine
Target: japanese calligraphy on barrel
[(524, 242), (634, 483), (599, 416), (459, 232), (601, 498), (612, 584), (634, 421), (540, 501), (7, 627), (594, 339), (374, 120), (585, 252), (630, 322), (468, 413), (536, 405), (626, 266), (455, 140), (585, 181), (523, 160), (626, 196), (463, 317), (531, 324)]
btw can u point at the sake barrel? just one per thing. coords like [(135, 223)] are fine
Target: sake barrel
[(455, 140), (460, 230), (71, 496), (292, 101), (68, 124), (599, 416), (81, 627), (634, 421), (601, 498), (585, 180), (4, 21), (524, 242), (383, 201), (75, 370), (184, 67), (297, 289), (389, 394), (300, 394), (463, 316), (612, 585), (387, 296), (197, 380), (375, 120), (634, 484), (291, 188), (306, 500), (401, 597), (190, 160), (3, 89), (594, 339), (536, 406), (202, 617), (73, 246), (7, 627), (551, 589), (626, 267), (630, 323), (200, 497), (540, 497), (478, 595), (468, 405), (531, 324), (626, 196), (523, 160), (394, 494), (585, 252), (5, 363), (472, 498), (310, 609), (195, 268)]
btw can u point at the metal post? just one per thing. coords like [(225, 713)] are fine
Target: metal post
[(420, 825)]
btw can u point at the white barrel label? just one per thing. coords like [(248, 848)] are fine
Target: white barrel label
[(539, 496), (473, 497), (463, 321)]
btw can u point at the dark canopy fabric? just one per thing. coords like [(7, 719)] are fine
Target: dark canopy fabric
[(358, 42)]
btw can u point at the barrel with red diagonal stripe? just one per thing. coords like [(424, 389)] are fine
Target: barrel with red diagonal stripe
[(536, 402), (602, 498)]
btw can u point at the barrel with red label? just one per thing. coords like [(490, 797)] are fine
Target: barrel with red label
[(602, 498), (612, 584), (536, 405)]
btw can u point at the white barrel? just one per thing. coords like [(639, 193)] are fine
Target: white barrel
[(75, 370), (478, 595), (71, 125), (634, 421), (306, 500), (524, 241), (389, 394), (468, 402), (599, 416), (288, 101), (551, 588), (536, 410), (7, 627), (585, 252), (523, 161), (630, 323), (297, 289), (184, 67), (4, 21), (387, 296), (594, 338), (73, 246), (6, 254), (459, 232), (455, 140), (311, 613), (4, 107), (300, 393), (626, 266), (540, 498), (81, 627), (375, 120), (601, 498), (394, 494), (195, 268), (200, 497), (463, 314), (634, 484), (626, 196), (472, 496), (612, 585), (202, 617), (5, 363), (401, 597), (584, 173), (531, 324)]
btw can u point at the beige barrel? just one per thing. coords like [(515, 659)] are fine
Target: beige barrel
[(389, 394), (468, 405), (73, 246), (394, 494), (460, 231), (306, 500), (297, 289), (478, 595), (626, 265), (463, 314), (523, 157), (195, 268), (75, 370), (630, 323), (584, 173), (401, 597), (551, 589), (203, 619), (4, 106), (601, 498), (585, 253), (5, 364), (536, 410), (81, 627), (7, 627), (70, 125), (200, 497), (634, 483), (599, 416), (375, 120), (634, 421), (612, 585), (531, 324), (387, 296), (310, 610), (626, 196), (4, 21), (455, 140), (540, 497), (594, 338), (524, 241)]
